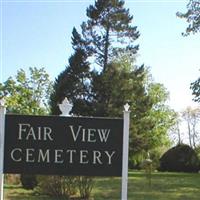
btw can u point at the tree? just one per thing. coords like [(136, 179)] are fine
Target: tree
[(192, 117), (108, 38), (74, 81), (151, 119), (192, 16), (109, 25), (112, 88), (108, 31), (27, 94), (175, 132)]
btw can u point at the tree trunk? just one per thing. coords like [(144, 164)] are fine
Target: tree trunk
[(189, 134), (179, 135), (105, 59), (193, 136)]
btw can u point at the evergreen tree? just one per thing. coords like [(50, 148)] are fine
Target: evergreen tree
[(73, 82), (119, 83), (109, 34), (109, 25), (109, 31)]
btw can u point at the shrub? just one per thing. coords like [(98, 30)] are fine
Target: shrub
[(181, 158), (66, 187), (59, 187), (85, 185), (28, 181), (197, 150)]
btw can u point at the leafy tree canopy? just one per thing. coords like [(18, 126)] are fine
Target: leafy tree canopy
[(27, 94), (122, 82)]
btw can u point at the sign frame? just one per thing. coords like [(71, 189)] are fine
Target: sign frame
[(72, 146), (126, 123)]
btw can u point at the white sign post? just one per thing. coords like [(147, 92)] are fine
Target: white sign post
[(125, 153), (2, 123)]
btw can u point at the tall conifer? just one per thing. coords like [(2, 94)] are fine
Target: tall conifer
[(109, 30), (73, 82)]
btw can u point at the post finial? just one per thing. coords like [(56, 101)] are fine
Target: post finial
[(65, 107), (126, 107), (2, 102)]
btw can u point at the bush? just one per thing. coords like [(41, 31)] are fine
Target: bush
[(66, 187), (181, 158), (28, 181), (59, 187), (85, 185), (197, 150)]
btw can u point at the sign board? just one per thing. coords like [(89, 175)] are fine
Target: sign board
[(63, 145)]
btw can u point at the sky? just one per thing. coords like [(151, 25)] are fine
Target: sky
[(37, 33)]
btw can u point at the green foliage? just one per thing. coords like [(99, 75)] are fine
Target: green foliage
[(181, 158), (108, 24), (107, 38), (27, 94), (66, 187), (150, 118), (195, 87), (192, 16), (73, 82), (28, 181), (108, 30), (113, 87), (85, 186), (197, 150), (59, 187)]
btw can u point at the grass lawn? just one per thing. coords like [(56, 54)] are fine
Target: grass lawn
[(165, 186)]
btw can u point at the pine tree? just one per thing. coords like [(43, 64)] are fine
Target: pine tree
[(109, 34), (109, 31), (73, 82)]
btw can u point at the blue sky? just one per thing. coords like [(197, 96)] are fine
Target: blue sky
[(38, 34)]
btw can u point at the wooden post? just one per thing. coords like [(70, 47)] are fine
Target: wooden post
[(2, 124), (125, 153)]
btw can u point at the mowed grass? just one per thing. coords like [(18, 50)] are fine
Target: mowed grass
[(164, 186)]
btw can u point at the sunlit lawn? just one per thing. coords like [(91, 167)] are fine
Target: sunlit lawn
[(164, 186)]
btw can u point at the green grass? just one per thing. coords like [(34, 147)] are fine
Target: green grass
[(165, 186)]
